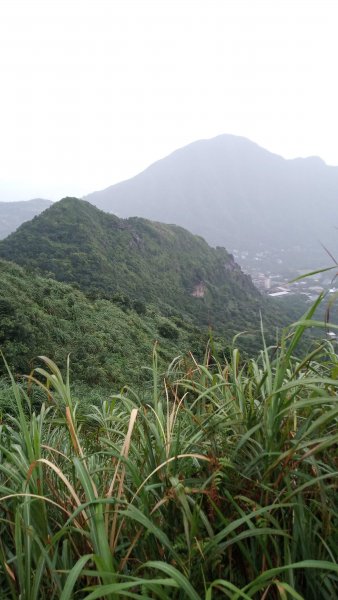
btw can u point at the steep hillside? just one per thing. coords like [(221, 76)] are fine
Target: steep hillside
[(13, 214), (108, 341), (148, 262), (237, 195)]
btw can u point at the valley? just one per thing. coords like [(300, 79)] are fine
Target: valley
[(270, 279)]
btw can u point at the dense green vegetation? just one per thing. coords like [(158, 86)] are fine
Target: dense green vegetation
[(148, 262), (218, 482), (108, 340)]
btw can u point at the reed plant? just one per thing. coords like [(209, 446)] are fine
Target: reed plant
[(219, 482)]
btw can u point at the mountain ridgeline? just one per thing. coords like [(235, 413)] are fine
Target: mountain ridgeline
[(145, 262), (233, 193), (238, 195)]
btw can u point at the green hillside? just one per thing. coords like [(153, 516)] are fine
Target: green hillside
[(108, 341), (146, 262)]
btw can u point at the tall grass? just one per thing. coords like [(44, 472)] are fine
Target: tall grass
[(222, 483)]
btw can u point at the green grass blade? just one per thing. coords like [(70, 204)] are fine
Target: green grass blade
[(182, 582), (73, 576)]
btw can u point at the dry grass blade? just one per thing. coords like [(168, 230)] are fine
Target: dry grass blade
[(72, 432), (51, 449), (10, 572), (166, 462), (124, 453), (63, 478), (36, 496)]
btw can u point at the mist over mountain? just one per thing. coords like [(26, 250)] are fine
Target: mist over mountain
[(238, 195), (13, 214), (233, 193)]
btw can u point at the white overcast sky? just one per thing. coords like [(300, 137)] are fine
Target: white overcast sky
[(93, 91)]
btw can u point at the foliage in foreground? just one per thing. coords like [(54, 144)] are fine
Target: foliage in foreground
[(223, 484)]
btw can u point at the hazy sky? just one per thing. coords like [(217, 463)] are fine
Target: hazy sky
[(93, 91)]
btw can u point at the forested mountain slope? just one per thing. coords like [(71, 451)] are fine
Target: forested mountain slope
[(107, 340), (145, 261)]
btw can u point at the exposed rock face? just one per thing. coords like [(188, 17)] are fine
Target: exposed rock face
[(199, 290), (231, 265)]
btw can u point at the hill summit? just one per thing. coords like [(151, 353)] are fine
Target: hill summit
[(146, 261), (238, 195)]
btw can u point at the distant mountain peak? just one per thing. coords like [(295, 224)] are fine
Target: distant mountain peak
[(236, 194), (231, 191)]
